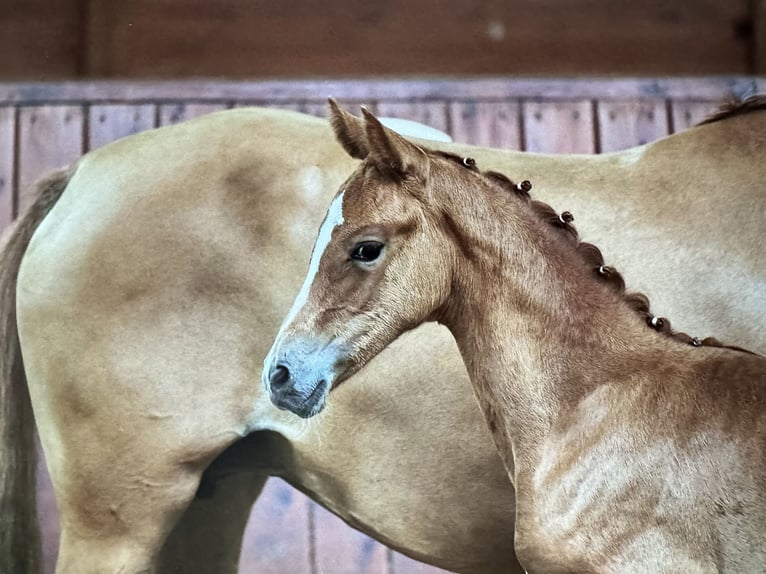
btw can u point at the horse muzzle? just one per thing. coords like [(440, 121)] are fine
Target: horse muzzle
[(299, 377)]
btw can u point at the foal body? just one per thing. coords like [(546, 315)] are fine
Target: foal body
[(629, 450)]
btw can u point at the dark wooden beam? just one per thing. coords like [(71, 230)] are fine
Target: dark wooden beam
[(39, 39)]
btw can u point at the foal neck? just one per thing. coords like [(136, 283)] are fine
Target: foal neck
[(536, 328)]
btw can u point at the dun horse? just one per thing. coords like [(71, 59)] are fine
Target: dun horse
[(152, 277), (631, 448)]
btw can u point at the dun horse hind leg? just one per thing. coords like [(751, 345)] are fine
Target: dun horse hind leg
[(101, 540), (116, 514), (123, 477)]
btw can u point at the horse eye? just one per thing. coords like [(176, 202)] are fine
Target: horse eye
[(366, 251)]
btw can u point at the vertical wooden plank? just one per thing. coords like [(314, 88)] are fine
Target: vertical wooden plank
[(627, 124), (687, 114), (433, 114), (49, 138), (112, 122), (342, 550), (7, 149), (404, 565), (277, 535), (494, 124), (179, 112), (558, 127)]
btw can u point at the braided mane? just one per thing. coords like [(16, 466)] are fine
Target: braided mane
[(736, 108), (592, 257)]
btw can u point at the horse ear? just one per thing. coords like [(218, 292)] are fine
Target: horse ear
[(390, 151), (349, 131)]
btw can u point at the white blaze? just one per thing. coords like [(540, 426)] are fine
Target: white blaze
[(334, 219)]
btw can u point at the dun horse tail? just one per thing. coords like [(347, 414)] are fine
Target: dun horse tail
[(19, 532)]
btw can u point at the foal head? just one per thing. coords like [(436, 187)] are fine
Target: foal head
[(382, 264)]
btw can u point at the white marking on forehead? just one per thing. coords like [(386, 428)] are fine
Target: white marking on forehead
[(334, 219)]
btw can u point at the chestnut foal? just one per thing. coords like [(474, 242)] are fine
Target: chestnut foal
[(632, 448)]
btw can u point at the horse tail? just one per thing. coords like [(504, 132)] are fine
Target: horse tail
[(19, 532)]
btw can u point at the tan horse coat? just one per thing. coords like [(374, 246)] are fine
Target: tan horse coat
[(150, 293)]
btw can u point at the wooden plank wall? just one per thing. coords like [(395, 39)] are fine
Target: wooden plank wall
[(47, 126), (60, 39)]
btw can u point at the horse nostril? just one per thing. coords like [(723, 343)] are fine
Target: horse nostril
[(279, 376)]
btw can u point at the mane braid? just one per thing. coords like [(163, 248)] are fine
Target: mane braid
[(593, 259), (736, 108), (467, 162)]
